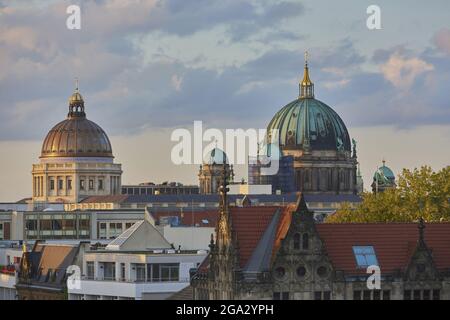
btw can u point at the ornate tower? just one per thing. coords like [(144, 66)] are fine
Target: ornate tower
[(210, 173)]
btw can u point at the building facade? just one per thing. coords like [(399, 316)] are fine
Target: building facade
[(140, 264), (44, 270), (156, 189), (76, 160), (291, 257)]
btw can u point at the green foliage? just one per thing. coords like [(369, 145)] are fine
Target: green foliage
[(419, 193)]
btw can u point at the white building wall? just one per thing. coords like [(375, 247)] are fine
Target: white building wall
[(189, 238), (7, 287)]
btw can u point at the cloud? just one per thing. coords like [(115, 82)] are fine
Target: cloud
[(177, 81), (402, 72), (442, 40), (254, 70)]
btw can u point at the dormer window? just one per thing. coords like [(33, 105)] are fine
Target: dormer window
[(365, 256)]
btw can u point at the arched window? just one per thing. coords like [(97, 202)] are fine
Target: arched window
[(297, 241), (305, 241)]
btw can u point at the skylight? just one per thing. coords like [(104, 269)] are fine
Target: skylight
[(365, 256)]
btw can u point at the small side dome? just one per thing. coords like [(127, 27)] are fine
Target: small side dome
[(215, 156), (384, 175)]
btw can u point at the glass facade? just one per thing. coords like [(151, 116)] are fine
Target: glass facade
[(57, 226)]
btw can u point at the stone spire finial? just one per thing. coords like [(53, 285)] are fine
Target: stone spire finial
[(421, 228)]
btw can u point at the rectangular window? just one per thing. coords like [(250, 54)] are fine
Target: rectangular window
[(109, 271), (128, 225), (102, 230), (90, 270), (356, 295), (285, 296), (82, 184), (386, 295), (52, 184), (377, 295), (45, 225), (31, 225), (164, 272), (426, 295), (276, 296), (155, 273), (140, 272), (327, 295), (416, 294), (91, 184), (100, 184), (60, 184), (407, 295), (84, 224), (365, 256), (122, 272), (318, 295), (68, 224), (366, 295), (436, 294), (69, 184)]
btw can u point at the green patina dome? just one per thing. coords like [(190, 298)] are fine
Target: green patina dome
[(308, 123), (384, 172)]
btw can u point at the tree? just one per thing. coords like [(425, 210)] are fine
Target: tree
[(419, 193)]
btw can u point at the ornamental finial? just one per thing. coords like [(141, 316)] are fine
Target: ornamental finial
[(421, 230), (306, 85)]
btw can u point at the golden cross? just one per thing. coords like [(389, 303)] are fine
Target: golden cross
[(76, 84), (306, 57)]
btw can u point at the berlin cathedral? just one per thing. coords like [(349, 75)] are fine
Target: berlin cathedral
[(315, 153)]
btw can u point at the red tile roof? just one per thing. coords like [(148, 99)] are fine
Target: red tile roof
[(394, 244), (249, 224)]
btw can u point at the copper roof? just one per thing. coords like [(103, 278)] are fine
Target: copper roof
[(76, 136)]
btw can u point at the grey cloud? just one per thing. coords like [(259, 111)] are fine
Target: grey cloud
[(125, 96)]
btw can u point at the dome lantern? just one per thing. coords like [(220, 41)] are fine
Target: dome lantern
[(76, 103), (306, 85)]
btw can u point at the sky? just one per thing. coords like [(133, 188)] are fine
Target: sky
[(147, 67)]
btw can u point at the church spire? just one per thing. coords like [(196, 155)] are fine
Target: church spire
[(306, 85)]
